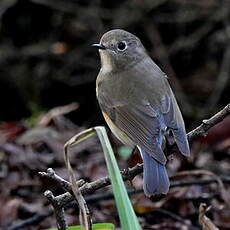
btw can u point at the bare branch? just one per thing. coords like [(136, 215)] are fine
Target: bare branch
[(58, 210), (201, 130)]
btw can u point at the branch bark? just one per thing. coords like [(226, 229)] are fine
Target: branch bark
[(201, 130)]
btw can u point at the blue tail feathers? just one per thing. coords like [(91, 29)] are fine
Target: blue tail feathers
[(156, 179)]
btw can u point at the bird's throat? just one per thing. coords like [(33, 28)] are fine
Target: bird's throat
[(106, 62)]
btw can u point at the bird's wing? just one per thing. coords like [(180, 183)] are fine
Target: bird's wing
[(173, 120), (167, 104), (140, 123)]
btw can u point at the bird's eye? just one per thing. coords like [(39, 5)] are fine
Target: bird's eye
[(121, 45)]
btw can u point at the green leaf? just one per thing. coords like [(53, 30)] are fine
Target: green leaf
[(127, 215), (103, 226), (98, 226)]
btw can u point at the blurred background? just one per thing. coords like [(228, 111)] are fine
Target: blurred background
[(46, 60)]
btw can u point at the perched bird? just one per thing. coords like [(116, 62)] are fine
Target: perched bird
[(138, 104)]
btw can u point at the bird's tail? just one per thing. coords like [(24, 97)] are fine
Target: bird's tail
[(156, 179)]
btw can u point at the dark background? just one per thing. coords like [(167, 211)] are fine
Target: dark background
[(46, 60)]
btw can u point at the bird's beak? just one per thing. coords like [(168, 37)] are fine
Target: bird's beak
[(99, 46)]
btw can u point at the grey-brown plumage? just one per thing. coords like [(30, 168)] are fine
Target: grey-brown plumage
[(138, 104)]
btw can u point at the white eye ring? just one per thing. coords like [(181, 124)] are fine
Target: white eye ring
[(122, 45)]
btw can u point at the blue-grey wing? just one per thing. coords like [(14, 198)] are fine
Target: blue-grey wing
[(173, 120), (143, 128), (139, 121)]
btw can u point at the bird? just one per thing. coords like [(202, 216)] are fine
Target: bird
[(138, 105)]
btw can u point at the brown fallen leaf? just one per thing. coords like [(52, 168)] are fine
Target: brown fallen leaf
[(143, 204), (223, 191), (204, 221), (9, 211), (10, 130)]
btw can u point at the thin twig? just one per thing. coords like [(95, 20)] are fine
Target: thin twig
[(201, 130), (103, 182), (58, 210)]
